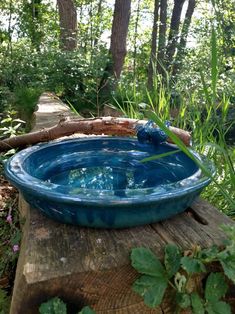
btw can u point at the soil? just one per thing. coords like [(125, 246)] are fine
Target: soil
[(8, 232)]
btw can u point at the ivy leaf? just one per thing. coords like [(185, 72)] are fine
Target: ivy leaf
[(145, 262), (183, 300), (87, 310), (53, 306), (152, 289), (172, 259), (192, 265), (216, 287), (197, 304), (218, 308)]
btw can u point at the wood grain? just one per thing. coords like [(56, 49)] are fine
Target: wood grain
[(86, 266)]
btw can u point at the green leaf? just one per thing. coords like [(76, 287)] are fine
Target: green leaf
[(87, 310), (53, 306), (4, 302), (152, 289), (210, 254), (216, 287), (154, 157), (228, 265), (6, 120), (214, 62), (197, 304), (218, 308), (192, 265), (172, 259), (183, 300), (153, 116), (145, 262)]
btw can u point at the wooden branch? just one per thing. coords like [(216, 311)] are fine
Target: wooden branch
[(97, 126)]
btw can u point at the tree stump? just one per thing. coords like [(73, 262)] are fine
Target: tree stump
[(86, 266)]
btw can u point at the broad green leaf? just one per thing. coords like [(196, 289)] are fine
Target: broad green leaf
[(145, 262), (192, 265), (152, 289), (218, 308), (53, 306), (87, 310), (183, 300), (209, 254), (172, 259), (197, 304), (228, 265), (216, 287)]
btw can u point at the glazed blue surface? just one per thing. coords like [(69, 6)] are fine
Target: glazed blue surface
[(102, 181)]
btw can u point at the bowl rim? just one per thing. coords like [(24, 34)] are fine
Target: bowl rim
[(16, 174)]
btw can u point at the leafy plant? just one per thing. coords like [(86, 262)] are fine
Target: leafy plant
[(11, 126), (4, 302), (53, 306), (177, 272), (57, 306)]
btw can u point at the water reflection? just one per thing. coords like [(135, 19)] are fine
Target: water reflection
[(116, 174)]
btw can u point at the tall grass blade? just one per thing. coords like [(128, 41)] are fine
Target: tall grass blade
[(214, 63), (151, 115), (154, 157)]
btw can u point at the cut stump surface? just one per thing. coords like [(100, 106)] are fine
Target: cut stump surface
[(86, 266)]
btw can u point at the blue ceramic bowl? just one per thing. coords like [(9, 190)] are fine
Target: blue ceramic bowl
[(102, 182)]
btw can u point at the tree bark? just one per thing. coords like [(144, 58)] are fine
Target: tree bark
[(68, 24), (105, 125), (184, 35), (174, 32), (152, 61), (98, 28), (117, 51), (135, 38), (162, 36)]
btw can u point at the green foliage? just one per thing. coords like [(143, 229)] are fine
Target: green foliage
[(87, 310), (151, 288), (216, 287), (176, 274), (145, 262), (53, 306), (197, 304), (10, 125), (192, 265), (4, 302), (57, 306), (25, 100), (172, 259)]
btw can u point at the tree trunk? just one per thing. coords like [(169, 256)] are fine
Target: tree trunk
[(152, 61), (174, 31), (162, 36), (68, 24), (37, 35), (117, 51), (9, 31), (98, 27), (135, 38), (105, 125), (184, 35)]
